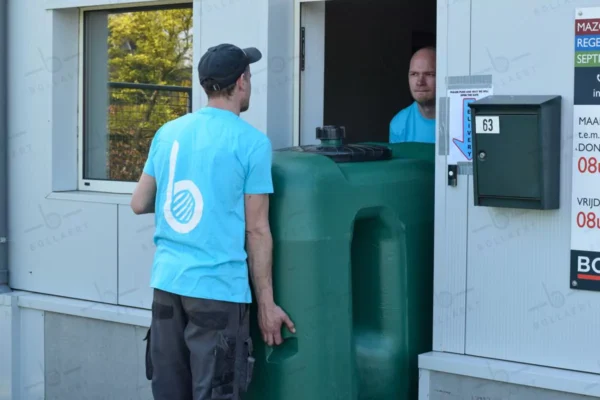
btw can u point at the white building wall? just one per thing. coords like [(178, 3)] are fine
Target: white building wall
[(453, 35), (505, 275), (89, 245), (519, 261), (60, 247), (504, 311), (79, 249)]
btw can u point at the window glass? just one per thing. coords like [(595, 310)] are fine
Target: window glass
[(138, 69)]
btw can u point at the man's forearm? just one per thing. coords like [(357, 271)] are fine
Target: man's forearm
[(260, 257), (144, 195), (145, 208)]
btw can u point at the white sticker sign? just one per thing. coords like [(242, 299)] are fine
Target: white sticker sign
[(460, 127), (584, 256), (487, 124)]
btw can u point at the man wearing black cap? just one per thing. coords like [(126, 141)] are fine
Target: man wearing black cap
[(208, 179)]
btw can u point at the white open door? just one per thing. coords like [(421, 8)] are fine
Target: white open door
[(309, 82), (366, 46)]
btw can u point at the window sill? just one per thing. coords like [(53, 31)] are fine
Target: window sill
[(61, 4), (91, 197), (81, 308)]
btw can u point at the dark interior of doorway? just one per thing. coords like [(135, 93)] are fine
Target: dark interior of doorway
[(368, 46)]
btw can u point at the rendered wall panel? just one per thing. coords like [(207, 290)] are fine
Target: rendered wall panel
[(57, 247), (136, 253), (518, 260), (451, 202)]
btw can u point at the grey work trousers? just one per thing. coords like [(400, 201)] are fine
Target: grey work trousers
[(198, 349)]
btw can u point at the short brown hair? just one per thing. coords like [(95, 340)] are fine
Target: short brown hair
[(225, 92)]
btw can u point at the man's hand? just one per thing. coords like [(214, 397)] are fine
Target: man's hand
[(270, 319), (259, 244)]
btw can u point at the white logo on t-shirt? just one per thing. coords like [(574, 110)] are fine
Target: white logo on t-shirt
[(184, 203)]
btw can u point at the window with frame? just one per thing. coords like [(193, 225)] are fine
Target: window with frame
[(137, 75)]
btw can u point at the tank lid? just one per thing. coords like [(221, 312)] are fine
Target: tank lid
[(331, 132), (347, 153), (331, 146)]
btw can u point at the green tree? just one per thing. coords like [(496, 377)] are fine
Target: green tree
[(147, 47)]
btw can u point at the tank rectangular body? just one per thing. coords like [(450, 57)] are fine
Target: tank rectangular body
[(353, 267)]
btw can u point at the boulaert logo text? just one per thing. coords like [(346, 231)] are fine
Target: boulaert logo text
[(585, 270)]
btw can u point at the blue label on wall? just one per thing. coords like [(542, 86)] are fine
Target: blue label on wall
[(587, 43), (466, 144)]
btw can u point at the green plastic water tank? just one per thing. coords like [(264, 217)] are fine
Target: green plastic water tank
[(353, 267)]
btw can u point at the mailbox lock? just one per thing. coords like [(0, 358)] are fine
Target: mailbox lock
[(482, 155)]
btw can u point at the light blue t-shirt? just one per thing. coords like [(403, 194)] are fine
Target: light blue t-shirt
[(410, 126), (204, 163)]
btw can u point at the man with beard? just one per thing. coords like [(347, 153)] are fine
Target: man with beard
[(416, 123), (207, 179)]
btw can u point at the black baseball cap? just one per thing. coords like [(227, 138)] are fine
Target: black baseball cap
[(222, 65)]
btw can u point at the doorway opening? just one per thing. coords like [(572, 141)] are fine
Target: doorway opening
[(354, 60)]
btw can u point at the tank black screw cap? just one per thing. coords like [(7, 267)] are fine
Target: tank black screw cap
[(331, 132)]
